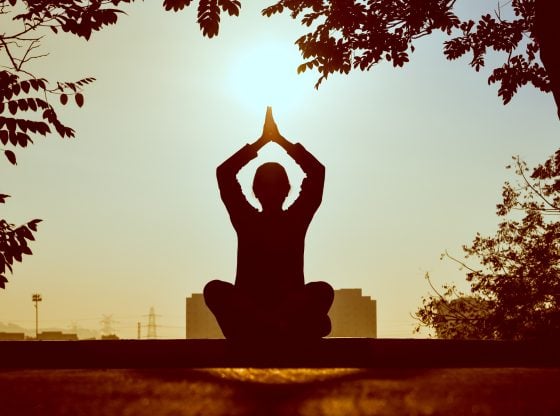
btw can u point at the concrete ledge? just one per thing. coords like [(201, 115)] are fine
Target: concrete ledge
[(332, 352)]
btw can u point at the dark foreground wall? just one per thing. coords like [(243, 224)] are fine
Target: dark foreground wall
[(337, 352)]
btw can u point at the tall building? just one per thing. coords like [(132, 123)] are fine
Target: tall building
[(200, 320), (351, 314)]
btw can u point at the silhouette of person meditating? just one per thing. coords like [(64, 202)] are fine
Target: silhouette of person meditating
[(270, 297)]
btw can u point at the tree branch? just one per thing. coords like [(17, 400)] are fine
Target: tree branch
[(32, 45), (541, 196), (463, 264), (3, 41)]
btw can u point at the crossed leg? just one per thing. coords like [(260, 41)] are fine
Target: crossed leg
[(301, 313)]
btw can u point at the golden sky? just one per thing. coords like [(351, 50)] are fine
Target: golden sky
[(415, 161)]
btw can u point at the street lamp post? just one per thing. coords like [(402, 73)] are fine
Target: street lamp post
[(36, 298)]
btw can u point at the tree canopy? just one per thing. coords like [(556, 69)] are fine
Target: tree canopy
[(27, 101), (349, 35), (515, 291), (344, 36)]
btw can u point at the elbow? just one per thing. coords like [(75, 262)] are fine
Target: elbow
[(221, 171), (317, 172), (317, 176), (321, 171)]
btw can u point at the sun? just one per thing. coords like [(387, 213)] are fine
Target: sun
[(265, 74)]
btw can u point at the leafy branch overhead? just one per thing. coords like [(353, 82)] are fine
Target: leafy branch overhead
[(25, 109), (26, 105), (493, 32), (349, 35), (357, 35), (208, 12), (27, 101), (344, 36)]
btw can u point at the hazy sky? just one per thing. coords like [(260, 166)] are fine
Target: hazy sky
[(415, 161)]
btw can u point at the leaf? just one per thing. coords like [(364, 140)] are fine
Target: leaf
[(230, 6), (209, 17), (23, 138), (32, 104), (10, 156), (34, 84), (41, 103), (11, 124), (63, 99), (176, 5), (33, 224), (17, 255), (13, 107), (22, 104), (23, 124), (79, 99), (25, 86)]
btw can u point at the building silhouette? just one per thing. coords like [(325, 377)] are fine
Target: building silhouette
[(12, 336), (351, 314), (56, 336), (201, 323)]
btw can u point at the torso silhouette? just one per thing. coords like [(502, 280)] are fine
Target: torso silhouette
[(270, 253)]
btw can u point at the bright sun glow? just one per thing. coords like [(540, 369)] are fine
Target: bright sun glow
[(265, 74)]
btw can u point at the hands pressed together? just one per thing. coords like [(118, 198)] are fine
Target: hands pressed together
[(270, 132)]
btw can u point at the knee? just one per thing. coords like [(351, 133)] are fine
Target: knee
[(216, 291), (321, 291), (320, 296)]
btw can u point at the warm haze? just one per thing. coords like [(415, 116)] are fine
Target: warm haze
[(415, 160)]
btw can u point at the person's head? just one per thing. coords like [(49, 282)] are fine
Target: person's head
[(271, 185)]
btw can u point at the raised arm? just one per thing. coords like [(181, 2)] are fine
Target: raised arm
[(312, 187), (311, 193), (226, 173), (308, 163)]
